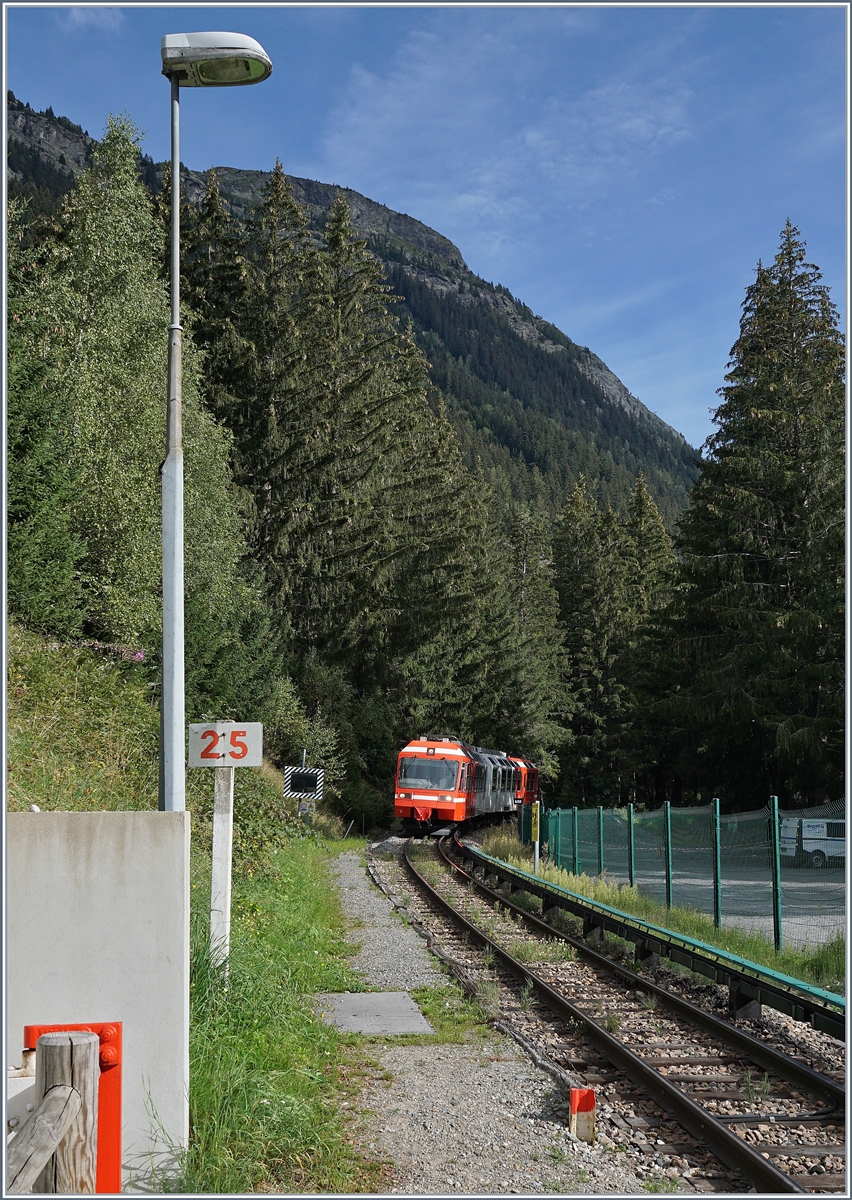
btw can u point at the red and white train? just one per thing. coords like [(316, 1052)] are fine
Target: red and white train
[(442, 779)]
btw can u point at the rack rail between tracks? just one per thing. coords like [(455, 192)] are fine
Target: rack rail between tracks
[(691, 1116), (748, 981)]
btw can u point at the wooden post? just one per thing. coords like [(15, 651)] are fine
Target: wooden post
[(39, 1137), (220, 881), (64, 1059)]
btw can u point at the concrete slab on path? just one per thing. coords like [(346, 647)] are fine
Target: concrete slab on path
[(372, 1012)]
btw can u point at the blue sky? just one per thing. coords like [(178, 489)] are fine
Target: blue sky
[(619, 169)]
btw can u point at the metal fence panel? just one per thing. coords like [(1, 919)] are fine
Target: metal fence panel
[(813, 898)]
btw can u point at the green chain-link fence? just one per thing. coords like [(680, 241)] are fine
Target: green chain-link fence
[(779, 872)]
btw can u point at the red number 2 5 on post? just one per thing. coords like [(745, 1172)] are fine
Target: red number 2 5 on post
[(226, 744)]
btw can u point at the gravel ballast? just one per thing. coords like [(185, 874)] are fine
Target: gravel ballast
[(475, 1119)]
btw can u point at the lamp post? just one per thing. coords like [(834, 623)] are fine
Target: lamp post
[(189, 60)]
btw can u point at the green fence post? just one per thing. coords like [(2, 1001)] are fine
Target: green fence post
[(558, 856), (574, 855), (717, 866), (775, 858), (668, 837), (600, 841), (631, 866)]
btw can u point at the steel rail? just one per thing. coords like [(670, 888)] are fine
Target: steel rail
[(705, 960), (781, 1064), (725, 1144)]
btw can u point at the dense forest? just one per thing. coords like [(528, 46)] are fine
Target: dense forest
[(358, 570), (532, 407)]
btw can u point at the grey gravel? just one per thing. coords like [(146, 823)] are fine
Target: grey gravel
[(473, 1119), (390, 955)]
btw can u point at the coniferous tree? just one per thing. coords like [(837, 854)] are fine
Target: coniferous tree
[(213, 283), (651, 567), (597, 619), (650, 553), (760, 625), (539, 701), (271, 417)]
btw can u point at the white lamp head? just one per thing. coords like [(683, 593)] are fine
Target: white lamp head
[(214, 59)]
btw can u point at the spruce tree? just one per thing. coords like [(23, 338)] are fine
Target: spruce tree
[(598, 621), (650, 553), (271, 415), (539, 701), (651, 566), (213, 284), (760, 625)]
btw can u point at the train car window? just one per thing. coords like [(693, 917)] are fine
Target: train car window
[(494, 779), (431, 774)]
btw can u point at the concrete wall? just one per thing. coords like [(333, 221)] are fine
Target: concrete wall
[(97, 929)]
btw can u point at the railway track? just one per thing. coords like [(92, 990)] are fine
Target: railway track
[(773, 1121)]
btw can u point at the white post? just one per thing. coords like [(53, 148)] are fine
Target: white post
[(220, 884)]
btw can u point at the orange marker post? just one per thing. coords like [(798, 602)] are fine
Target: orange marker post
[(582, 1119)]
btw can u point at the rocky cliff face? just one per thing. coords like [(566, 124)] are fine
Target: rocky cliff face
[(69, 151), (61, 147)]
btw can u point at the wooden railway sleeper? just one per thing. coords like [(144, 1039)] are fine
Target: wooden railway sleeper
[(747, 987), (758, 1052), (703, 1126)]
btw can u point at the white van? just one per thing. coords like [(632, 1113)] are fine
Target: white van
[(812, 842)]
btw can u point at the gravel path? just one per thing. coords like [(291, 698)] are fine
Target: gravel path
[(391, 956), (468, 1119)]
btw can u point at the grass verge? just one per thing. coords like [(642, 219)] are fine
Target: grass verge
[(268, 1080), (823, 965), (267, 1075)]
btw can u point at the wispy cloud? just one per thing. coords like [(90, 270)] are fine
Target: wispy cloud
[(91, 16), (470, 112)]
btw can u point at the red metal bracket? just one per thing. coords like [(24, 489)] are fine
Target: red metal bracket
[(108, 1170)]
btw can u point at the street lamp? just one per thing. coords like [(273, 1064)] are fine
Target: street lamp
[(189, 60)]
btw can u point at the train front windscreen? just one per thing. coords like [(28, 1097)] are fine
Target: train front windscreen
[(428, 774)]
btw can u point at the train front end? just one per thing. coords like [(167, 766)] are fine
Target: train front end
[(434, 782)]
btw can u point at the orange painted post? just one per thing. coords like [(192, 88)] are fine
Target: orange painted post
[(108, 1172), (582, 1119)]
